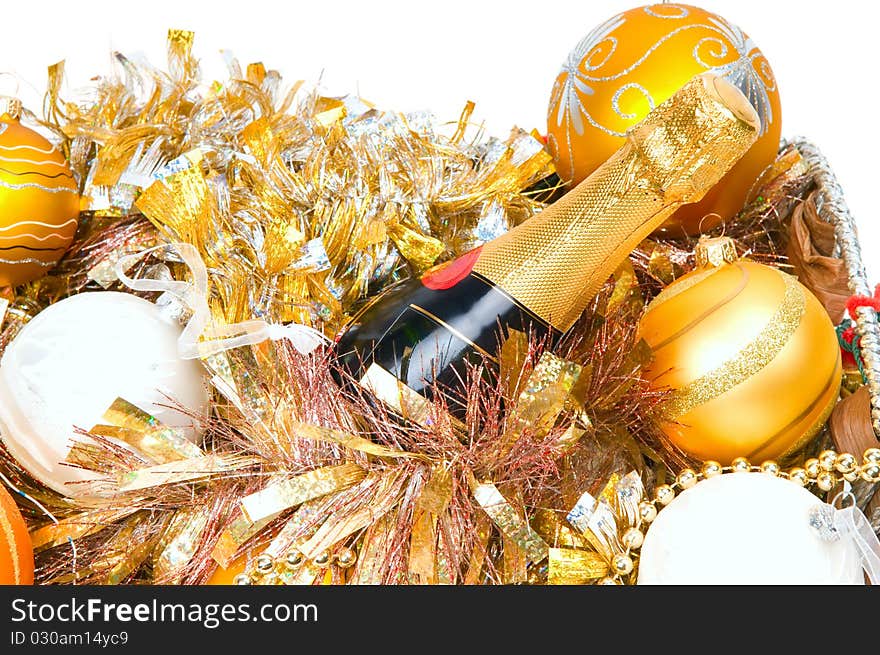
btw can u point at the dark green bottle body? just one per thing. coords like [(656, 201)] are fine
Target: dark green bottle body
[(426, 336)]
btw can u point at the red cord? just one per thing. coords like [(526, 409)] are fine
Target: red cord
[(864, 301), (848, 336)]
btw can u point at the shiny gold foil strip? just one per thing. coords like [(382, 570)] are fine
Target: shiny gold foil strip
[(509, 521), (569, 566), (399, 397), (626, 287), (660, 264), (117, 153), (609, 491), (236, 378), (568, 439), (285, 538), (330, 111), (305, 575), (289, 493), (256, 73), (239, 530), (432, 502), (180, 43), (482, 533), (348, 440), (515, 562), (224, 381), (545, 393), (77, 527), (512, 359), (370, 567), (674, 156), (180, 203), (133, 426), (179, 544), (437, 492), (748, 361), (418, 249), (338, 528), (133, 554), (594, 518), (116, 559), (260, 140), (188, 470), (554, 530), (446, 570), (423, 549)]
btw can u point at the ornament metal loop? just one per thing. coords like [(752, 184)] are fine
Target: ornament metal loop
[(11, 106), (715, 252)]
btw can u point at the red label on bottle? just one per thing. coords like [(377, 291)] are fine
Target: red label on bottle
[(448, 274)]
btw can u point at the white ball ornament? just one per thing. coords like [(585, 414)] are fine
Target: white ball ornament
[(744, 528), (69, 363)]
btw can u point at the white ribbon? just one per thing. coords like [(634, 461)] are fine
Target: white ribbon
[(199, 339), (851, 523)]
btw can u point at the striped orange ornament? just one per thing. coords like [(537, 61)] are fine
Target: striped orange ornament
[(39, 201), (751, 359), (16, 552)]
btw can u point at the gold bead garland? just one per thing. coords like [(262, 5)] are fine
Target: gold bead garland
[(825, 471), (267, 570)]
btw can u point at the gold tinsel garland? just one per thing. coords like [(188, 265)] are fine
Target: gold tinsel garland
[(302, 207)]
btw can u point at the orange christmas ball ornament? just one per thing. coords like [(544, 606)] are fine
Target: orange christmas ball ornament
[(16, 552), (39, 200), (749, 354), (630, 64), (227, 576)]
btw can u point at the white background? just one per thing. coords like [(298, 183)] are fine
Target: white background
[(502, 55)]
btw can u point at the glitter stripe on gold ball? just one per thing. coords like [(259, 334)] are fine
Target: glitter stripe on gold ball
[(751, 358), (16, 553), (39, 203)]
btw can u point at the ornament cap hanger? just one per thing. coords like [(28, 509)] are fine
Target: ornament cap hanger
[(713, 252), (10, 108)]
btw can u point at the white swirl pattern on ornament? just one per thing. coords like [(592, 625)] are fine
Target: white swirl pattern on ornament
[(34, 185), (38, 162), (683, 12), (615, 101), (13, 226), (42, 151), (16, 237), (28, 260), (749, 72)]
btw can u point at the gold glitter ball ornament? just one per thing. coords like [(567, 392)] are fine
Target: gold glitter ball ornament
[(39, 200), (751, 359), (635, 61)]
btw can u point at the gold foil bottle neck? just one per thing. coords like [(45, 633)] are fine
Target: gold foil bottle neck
[(690, 141), (11, 107), (715, 252), (556, 261)]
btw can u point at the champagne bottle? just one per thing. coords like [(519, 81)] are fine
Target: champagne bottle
[(415, 339)]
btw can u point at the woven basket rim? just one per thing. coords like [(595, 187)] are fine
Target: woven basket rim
[(832, 207)]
